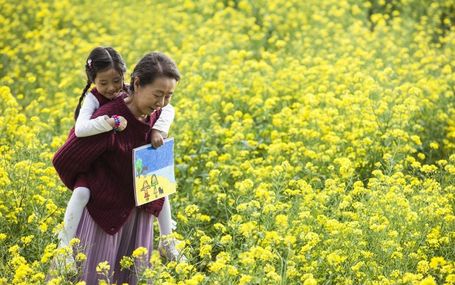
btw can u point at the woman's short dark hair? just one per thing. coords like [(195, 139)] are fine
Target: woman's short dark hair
[(152, 66)]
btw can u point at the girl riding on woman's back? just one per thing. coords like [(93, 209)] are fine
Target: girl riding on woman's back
[(105, 69)]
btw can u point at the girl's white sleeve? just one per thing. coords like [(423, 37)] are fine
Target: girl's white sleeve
[(165, 120), (88, 127)]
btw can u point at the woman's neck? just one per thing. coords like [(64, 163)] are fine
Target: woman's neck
[(133, 108)]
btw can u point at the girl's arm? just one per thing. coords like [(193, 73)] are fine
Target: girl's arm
[(88, 127), (165, 120)]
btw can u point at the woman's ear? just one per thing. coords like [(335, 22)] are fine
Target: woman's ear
[(136, 83)]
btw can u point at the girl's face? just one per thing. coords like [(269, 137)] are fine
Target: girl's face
[(109, 82), (153, 96)]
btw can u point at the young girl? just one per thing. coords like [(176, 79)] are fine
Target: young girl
[(105, 69)]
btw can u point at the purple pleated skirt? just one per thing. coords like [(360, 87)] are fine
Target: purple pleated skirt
[(100, 246)]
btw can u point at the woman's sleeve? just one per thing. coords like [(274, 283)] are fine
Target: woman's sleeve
[(165, 120), (77, 155), (85, 126)]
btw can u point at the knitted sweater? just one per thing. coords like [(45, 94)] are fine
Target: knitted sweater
[(106, 161)]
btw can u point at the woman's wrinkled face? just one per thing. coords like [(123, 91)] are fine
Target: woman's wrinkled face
[(154, 96), (109, 83)]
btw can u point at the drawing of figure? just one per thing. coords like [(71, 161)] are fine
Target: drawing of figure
[(146, 195), (145, 188), (154, 184)]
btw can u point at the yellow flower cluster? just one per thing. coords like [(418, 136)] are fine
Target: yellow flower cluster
[(314, 139)]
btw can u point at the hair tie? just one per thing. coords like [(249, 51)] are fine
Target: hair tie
[(89, 63)]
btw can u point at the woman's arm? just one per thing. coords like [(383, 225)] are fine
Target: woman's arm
[(88, 127), (77, 155), (165, 120)]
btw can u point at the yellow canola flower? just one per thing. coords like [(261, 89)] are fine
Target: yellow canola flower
[(139, 252), (428, 281), (103, 267)]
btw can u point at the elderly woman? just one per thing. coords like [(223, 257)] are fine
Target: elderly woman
[(111, 226)]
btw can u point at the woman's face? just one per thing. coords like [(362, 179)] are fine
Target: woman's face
[(153, 96), (108, 83)]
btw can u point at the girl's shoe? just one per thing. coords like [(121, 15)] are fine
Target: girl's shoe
[(168, 250), (62, 266)]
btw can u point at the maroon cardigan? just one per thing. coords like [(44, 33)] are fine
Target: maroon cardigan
[(106, 161)]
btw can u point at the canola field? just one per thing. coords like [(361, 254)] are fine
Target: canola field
[(314, 139)]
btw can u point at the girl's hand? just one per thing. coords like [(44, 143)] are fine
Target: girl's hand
[(122, 126), (123, 123), (156, 138)]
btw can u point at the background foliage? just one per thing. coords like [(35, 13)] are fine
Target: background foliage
[(314, 139)]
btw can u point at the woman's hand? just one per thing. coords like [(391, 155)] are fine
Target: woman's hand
[(156, 138)]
